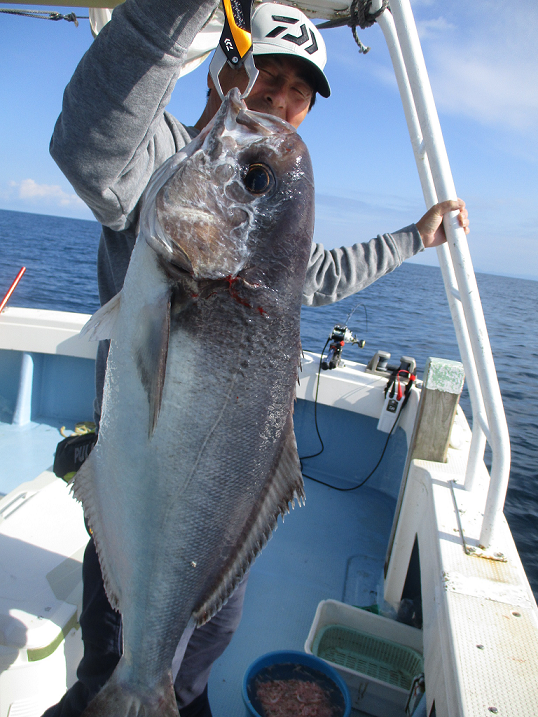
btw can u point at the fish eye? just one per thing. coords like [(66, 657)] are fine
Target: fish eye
[(258, 178)]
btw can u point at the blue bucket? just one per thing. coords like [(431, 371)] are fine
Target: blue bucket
[(285, 665)]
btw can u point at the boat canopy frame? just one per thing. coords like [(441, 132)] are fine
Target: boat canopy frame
[(399, 29), (489, 420)]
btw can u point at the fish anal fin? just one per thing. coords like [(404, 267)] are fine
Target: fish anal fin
[(102, 323), (82, 489), (284, 487), (151, 351)]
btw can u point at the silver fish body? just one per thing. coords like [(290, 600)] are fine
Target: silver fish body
[(196, 456)]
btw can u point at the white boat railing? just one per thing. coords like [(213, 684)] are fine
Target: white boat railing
[(489, 421)]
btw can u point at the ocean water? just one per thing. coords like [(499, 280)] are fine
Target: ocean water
[(405, 313)]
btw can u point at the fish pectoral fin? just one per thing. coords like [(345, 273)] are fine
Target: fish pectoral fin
[(151, 351), (284, 487), (102, 323)]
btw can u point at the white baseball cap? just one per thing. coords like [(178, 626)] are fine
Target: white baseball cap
[(283, 30)]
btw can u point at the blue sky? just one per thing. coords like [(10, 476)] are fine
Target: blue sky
[(484, 72)]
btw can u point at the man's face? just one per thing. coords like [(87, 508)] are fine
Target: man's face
[(282, 89)]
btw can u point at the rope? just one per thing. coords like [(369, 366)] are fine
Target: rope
[(46, 15), (360, 15)]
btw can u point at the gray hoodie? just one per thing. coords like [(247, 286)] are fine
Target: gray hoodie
[(113, 132)]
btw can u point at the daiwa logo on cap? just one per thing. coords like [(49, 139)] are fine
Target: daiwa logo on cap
[(281, 30), (303, 37)]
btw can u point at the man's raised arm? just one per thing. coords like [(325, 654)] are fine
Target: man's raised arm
[(112, 132)]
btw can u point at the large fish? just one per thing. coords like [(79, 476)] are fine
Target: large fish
[(196, 456)]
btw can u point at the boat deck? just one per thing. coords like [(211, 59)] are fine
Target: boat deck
[(26, 451), (332, 547)]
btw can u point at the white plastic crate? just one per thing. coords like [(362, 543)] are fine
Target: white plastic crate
[(377, 657), (42, 541)]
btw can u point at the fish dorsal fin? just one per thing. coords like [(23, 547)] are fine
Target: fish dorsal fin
[(151, 351), (284, 487), (82, 488), (102, 323)]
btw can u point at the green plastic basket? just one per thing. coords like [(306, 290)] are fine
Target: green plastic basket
[(373, 656)]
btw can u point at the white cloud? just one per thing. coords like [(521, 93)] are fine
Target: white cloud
[(384, 74), (492, 90), (30, 190), (482, 64), (433, 28)]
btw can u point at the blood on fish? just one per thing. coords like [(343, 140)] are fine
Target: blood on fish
[(234, 294), (233, 291)]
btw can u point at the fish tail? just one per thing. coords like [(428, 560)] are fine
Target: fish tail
[(119, 698)]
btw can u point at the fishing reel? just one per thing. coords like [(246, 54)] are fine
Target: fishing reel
[(397, 391), (340, 335)]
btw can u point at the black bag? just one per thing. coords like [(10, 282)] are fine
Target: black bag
[(71, 454)]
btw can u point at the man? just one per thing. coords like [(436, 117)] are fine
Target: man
[(112, 134)]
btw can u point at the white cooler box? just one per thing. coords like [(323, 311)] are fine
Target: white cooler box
[(378, 658), (42, 541)]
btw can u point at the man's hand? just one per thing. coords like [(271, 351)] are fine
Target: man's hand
[(431, 228)]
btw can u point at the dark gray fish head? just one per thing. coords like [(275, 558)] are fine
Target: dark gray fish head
[(242, 190)]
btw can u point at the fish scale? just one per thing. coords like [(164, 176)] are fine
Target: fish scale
[(196, 455)]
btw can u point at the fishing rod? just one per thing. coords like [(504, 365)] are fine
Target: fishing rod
[(12, 288)]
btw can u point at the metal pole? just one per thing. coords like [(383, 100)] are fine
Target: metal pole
[(476, 452), (461, 260), (22, 414)]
